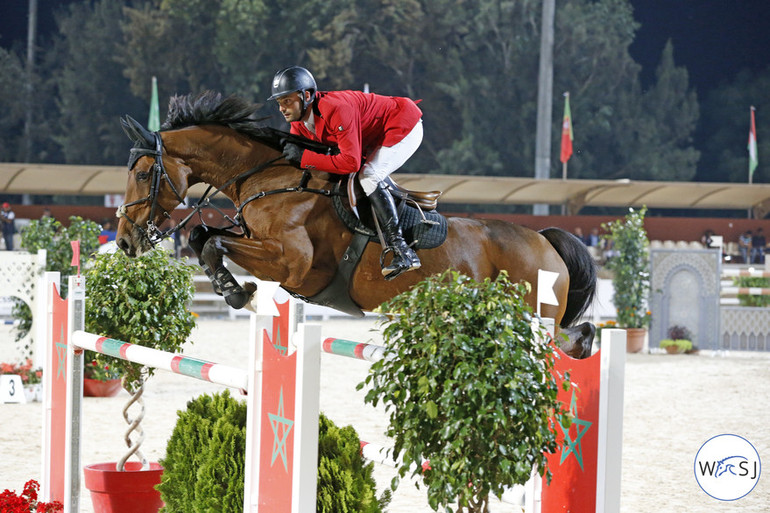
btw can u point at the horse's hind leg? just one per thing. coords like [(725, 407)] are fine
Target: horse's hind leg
[(210, 259), (579, 341)]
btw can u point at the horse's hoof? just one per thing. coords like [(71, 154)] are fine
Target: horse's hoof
[(238, 299)]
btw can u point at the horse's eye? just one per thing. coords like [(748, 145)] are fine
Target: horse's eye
[(142, 176)]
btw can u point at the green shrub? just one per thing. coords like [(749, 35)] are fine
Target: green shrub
[(630, 268), (49, 234), (204, 462), (141, 301), (469, 385), (345, 482)]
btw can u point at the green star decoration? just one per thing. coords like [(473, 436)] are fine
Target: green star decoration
[(279, 440), (574, 446), (61, 353), (278, 345)]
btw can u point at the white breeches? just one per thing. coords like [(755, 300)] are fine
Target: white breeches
[(386, 159)]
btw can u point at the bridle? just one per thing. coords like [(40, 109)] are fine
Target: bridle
[(154, 235)]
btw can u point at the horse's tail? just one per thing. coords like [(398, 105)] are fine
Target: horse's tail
[(582, 272)]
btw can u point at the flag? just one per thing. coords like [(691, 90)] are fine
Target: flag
[(566, 132), (154, 122), (545, 282), (753, 157), (75, 244)]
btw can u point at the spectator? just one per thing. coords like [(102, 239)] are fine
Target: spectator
[(705, 239), (579, 234), (744, 245), (758, 244), (108, 232), (593, 238), (46, 213), (7, 218)]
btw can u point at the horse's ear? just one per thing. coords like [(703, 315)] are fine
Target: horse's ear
[(127, 129), (137, 133)]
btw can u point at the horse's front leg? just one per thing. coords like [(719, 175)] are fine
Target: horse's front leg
[(211, 245)]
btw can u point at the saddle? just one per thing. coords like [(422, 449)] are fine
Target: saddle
[(422, 229), (421, 225)]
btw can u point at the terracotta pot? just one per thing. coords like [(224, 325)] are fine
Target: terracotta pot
[(97, 388), (635, 339), (674, 350), (130, 491)]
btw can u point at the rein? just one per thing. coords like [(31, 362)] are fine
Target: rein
[(154, 235)]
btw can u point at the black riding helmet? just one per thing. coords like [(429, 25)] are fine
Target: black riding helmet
[(293, 79)]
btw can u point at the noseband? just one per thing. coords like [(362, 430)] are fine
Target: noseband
[(152, 233)]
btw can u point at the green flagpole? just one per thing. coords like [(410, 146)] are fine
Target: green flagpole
[(154, 122)]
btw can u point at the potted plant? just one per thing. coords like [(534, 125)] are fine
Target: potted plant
[(100, 379), (631, 274), (679, 341), (31, 379), (142, 301), (675, 346), (469, 385)]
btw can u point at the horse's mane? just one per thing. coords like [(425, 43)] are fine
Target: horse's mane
[(212, 108)]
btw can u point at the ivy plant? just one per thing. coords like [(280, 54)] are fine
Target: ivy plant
[(469, 385), (142, 301), (630, 267)]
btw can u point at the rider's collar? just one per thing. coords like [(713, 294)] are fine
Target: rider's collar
[(310, 123)]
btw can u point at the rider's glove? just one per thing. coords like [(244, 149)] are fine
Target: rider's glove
[(293, 154)]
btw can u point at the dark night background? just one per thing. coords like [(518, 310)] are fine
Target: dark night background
[(713, 39)]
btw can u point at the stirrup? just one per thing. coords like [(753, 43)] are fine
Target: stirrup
[(391, 272)]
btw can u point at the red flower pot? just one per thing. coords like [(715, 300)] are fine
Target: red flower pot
[(97, 388), (130, 491)]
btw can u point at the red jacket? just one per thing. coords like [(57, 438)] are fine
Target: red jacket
[(358, 123)]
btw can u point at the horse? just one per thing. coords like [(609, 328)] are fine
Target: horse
[(286, 228)]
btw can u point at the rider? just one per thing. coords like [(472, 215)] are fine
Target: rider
[(380, 131)]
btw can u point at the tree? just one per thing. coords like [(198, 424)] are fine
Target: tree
[(11, 105), (92, 91), (473, 63), (725, 129), (469, 385)]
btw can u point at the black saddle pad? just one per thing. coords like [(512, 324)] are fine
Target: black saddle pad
[(424, 235)]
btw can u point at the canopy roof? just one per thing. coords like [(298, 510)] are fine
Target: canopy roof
[(576, 194)]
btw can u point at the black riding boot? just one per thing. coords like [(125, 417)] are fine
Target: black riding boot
[(404, 257)]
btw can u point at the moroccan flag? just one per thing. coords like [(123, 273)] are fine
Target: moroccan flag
[(154, 122), (566, 132), (753, 157)]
